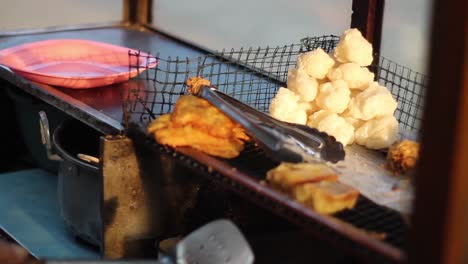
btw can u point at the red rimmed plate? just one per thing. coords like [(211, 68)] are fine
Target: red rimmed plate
[(74, 63)]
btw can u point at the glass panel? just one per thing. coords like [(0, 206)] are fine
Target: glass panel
[(28, 14), (406, 30), (244, 23), (233, 24)]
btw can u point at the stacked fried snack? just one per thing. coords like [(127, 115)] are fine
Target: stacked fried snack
[(198, 124), (336, 94), (314, 185)]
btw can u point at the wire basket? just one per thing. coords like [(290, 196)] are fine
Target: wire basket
[(253, 76)]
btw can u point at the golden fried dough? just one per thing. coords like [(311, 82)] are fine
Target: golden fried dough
[(198, 139), (190, 109), (196, 123), (402, 156), (288, 175), (162, 122), (195, 83), (314, 185), (326, 197)]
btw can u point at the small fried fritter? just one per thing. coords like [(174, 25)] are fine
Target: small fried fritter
[(195, 83), (402, 156), (314, 185), (287, 176)]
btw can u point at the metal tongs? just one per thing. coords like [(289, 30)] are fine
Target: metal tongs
[(282, 141)]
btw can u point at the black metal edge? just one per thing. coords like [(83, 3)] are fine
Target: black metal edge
[(62, 101), (22, 32)]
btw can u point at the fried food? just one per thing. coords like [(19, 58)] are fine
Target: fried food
[(314, 185), (289, 175), (198, 124), (195, 83), (326, 197), (340, 85), (199, 112), (402, 156)]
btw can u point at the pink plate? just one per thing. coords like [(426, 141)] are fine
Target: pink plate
[(74, 63)]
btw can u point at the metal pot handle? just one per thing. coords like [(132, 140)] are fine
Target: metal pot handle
[(45, 136)]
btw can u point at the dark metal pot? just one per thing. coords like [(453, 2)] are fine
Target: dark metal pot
[(79, 182)]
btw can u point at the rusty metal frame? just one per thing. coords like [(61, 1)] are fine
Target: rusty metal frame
[(139, 209), (129, 210)]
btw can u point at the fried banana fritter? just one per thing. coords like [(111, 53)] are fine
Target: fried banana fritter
[(198, 124), (200, 113)]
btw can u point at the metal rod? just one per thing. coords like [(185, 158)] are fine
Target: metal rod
[(367, 16)]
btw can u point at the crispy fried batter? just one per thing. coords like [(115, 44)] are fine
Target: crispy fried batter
[(198, 124), (195, 83), (326, 197), (162, 122), (287, 176), (402, 156), (313, 185), (190, 109), (198, 139)]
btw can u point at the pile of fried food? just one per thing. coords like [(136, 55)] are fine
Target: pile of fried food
[(336, 94), (198, 124), (314, 185)]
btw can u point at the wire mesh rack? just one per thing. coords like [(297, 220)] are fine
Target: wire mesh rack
[(253, 76)]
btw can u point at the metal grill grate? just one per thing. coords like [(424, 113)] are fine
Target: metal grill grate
[(253, 76), (366, 214)]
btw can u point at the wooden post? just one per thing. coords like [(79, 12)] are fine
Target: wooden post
[(367, 16), (440, 222), (138, 12)]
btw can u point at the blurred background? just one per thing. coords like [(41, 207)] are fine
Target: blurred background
[(218, 24)]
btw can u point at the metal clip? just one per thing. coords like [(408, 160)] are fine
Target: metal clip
[(45, 136)]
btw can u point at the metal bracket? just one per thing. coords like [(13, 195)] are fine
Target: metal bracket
[(45, 137)]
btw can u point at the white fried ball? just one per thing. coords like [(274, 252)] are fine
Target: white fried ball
[(375, 101), (333, 96), (302, 84), (378, 133), (356, 123), (355, 76), (355, 92), (310, 107), (333, 125), (315, 63), (286, 107), (353, 47), (315, 119)]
